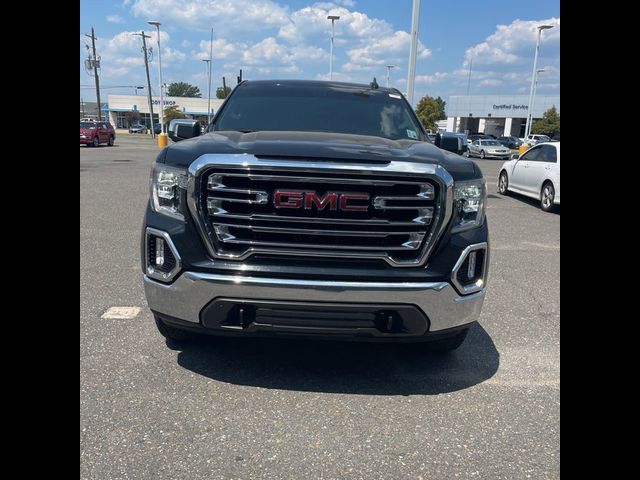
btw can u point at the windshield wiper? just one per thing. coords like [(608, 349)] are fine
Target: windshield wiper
[(244, 130)]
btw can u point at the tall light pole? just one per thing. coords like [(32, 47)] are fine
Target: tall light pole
[(210, 64), (162, 138), (527, 128), (533, 98), (333, 18), (415, 17), (389, 67)]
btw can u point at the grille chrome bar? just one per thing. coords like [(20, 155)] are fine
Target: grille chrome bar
[(307, 231), (407, 246), (223, 214)]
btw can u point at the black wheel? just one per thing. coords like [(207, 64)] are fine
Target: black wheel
[(547, 196), (482, 154), (503, 183), (96, 142), (111, 141), (173, 333), (448, 344)]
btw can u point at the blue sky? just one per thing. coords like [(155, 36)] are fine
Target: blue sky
[(290, 39)]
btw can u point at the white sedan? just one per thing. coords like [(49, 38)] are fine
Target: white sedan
[(488, 149), (535, 174)]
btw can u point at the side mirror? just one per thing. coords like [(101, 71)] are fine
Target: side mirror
[(182, 129), (438, 140), (452, 144), (515, 156)]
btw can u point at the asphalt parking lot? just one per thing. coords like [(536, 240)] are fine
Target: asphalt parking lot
[(298, 409)]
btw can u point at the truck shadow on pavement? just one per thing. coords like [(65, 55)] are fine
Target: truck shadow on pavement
[(342, 367)]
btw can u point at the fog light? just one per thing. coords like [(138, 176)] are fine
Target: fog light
[(471, 270), (159, 252), (162, 259)]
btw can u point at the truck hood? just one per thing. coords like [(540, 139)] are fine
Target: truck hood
[(318, 145)]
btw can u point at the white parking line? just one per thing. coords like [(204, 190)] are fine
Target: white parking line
[(121, 313)]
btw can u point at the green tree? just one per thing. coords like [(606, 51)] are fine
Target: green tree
[(223, 92), (171, 113), (549, 124), (183, 89), (430, 110)]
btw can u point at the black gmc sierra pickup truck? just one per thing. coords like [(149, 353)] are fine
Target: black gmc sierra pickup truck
[(317, 209)]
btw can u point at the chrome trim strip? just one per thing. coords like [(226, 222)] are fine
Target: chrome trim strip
[(482, 281), (251, 164), (156, 274), (300, 179), (331, 284)]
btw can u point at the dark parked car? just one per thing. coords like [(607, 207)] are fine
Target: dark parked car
[(93, 134), (137, 128), (510, 142), (157, 128)]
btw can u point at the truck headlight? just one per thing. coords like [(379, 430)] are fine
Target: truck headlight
[(168, 189), (470, 198)]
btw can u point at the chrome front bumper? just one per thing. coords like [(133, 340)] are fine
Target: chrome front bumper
[(192, 291)]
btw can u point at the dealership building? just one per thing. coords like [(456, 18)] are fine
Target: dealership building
[(119, 107), (495, 114)]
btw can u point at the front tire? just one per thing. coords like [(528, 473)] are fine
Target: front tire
[(111, 141), (448, 344), (173, 333), (503, 183), (96, 142), (547, 195), (482, 154)]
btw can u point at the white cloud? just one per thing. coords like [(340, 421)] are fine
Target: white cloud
[(121, 55), (115, 19), (383, 50), (429, 79), (490, 82), (513, 43), (225, 15)]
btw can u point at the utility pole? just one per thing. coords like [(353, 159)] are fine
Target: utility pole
[(415, 17), (224, 86), (82, 106), (96, 64), (146, 67), (210, 62)]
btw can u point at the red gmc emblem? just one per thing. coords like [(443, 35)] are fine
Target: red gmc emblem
[(306, 200)]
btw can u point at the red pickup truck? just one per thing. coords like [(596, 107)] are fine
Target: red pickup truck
[(93, 134)]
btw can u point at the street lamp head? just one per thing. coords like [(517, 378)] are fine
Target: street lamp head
[(540, 70), (153, 22), (544, 27), (333, 17)]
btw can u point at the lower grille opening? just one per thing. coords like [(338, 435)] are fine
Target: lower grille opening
[(321, 318)]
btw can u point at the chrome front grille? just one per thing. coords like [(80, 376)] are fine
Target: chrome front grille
[(388, 216)]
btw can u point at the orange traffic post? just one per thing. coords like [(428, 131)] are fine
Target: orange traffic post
[(163, 140)]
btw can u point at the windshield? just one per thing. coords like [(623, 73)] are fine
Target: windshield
[(490, 142), (87, 125), (319, 108)]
